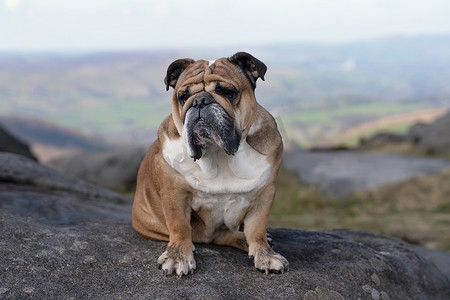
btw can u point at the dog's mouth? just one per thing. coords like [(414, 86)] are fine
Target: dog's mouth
[(210, 125), (204, 132), (200, 135)]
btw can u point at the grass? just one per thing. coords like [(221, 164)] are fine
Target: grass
[(323, 113), (117, 115), (310, 116), (373, 108), (416, 210)]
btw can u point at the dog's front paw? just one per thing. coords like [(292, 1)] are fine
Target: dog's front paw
[(267, 260), (177, 258)]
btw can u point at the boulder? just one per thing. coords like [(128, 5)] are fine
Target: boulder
[(62, 238), (434, 137), (8, 143), (115, 169), (338, 174), (18, 172), (416, 132)]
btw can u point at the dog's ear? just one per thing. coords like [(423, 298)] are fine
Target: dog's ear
[(174, 71), (252, 67)]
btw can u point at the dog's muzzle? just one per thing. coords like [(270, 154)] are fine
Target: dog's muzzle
[(207, 122)]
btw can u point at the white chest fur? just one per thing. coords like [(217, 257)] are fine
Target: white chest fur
[(226, 209), (216, 172)]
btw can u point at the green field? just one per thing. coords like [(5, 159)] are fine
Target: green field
[(335, 110), (120, 115), (320, 123)]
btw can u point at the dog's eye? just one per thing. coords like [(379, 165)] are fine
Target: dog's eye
[(182, 98), (230, 94)]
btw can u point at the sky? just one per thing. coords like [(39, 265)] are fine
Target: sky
[(96, 25)]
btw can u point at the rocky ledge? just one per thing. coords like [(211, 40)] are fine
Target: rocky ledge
[(61, 238)]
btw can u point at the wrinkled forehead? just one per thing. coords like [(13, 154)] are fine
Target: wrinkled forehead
[(204, 75)]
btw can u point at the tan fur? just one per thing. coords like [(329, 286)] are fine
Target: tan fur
[(163, 204)]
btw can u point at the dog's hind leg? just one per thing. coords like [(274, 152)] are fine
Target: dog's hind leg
[(235, 239)]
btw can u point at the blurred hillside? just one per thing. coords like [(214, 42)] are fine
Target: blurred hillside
[(49, 140), (96, 93), (315, 92)]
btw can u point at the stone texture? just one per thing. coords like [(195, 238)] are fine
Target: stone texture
[(108, 260), (63, 242)]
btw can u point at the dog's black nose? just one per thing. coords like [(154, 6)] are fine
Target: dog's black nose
[(202, 100)]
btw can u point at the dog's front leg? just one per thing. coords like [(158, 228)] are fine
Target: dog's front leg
[(179, 256), (255, 229)]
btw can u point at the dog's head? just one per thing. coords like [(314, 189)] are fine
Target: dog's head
[(214, 102)]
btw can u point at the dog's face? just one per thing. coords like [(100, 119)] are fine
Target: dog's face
[(214, 102)]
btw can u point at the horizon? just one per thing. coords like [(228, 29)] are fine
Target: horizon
[(140, 25), (219, 48)]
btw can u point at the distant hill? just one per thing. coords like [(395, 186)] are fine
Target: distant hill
[(314, 91), (396, 69), (399, 123)]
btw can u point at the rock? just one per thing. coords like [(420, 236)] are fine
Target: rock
[(341, 173), (41, 193), (415, 132), (115, 169), (108, 260), (434, 137), (8, 143), (93, 252), (20, 172)]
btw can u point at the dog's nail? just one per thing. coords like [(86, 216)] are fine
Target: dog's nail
[(165, 272), (267, 271)]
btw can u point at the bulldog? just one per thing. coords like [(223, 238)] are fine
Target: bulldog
[(210, 175)]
